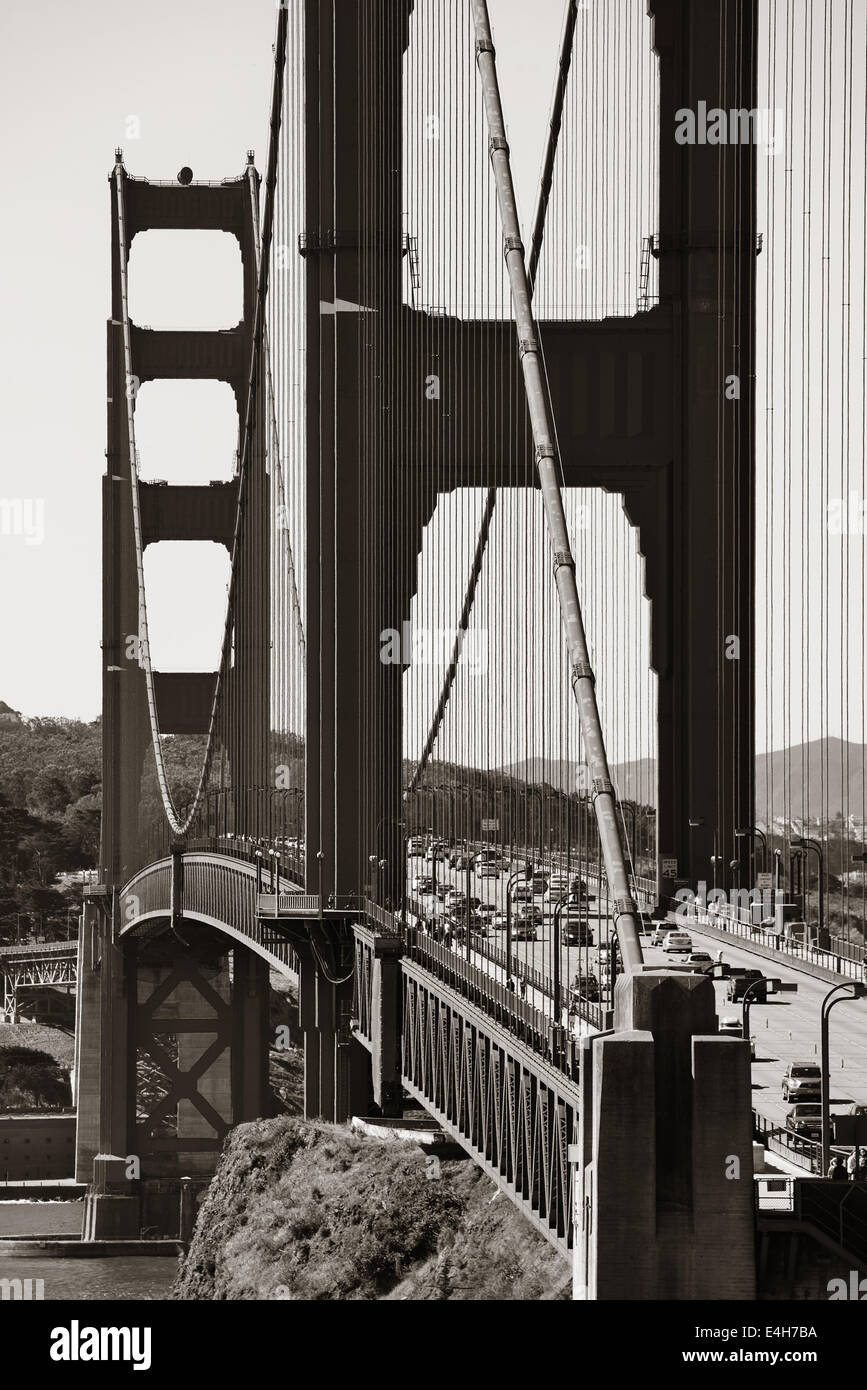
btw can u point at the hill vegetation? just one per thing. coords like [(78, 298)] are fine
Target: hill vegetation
[(32, 1080), (301, 1210)]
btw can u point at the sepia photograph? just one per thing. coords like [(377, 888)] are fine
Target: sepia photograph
[(433, 708)]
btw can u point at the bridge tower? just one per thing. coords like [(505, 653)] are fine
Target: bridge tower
[(353, 249), (121, 985)]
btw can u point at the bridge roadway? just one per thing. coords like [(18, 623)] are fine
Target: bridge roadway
[(786, 1028)]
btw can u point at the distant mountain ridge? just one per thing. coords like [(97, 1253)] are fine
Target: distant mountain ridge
[(816, 779)]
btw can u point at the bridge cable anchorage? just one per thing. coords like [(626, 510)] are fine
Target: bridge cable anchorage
[(543, 430), (530, 344)]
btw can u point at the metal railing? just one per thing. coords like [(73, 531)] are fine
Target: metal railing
[(833, 1210), (527, 1023), (795, 1148), (595, 1014), (848, 960), (217, 888)]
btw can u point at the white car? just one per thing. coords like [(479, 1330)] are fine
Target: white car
[(678, 943), (558, 884), (733, 1028), (487, 871), (699, 960)]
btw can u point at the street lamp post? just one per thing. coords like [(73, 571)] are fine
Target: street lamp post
[(748, 1001), (510, 984), (753, 832), (557, 1033), (803, 841), (858, 991), (537, 791)]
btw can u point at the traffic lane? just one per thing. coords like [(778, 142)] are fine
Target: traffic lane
[(538, 954), (786, 1029)]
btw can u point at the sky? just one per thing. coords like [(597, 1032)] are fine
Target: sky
[(189, 83), (173, 82), (196, 76)]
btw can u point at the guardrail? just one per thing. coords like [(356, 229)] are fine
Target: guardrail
[(505, 1006), (833, 1210), (734, 922), (805, 1153), (593, 1013), (218, 889)]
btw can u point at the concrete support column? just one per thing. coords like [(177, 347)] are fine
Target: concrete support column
[(250, 1037), (88, 1043), (385, 1019), (336, 1065), (665, 1150)]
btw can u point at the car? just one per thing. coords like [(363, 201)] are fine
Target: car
[(734, 1028), (539, 884), (802, 1081), (415, 846), (576, 932), (699, 960), (524, 930), (423, 884), (487, 871), (678, 943), (487, 910), (585, 985), (558, 886), (522, 893), (528, 912), (805, 1120), (741, 980)]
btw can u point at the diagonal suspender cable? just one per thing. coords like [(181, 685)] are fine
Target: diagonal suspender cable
[(491, 494), (542, 424), (553, 140)]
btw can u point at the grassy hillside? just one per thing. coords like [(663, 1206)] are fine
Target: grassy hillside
[(301, 1210)]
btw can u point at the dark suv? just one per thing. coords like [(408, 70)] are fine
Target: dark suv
[(740, 982)]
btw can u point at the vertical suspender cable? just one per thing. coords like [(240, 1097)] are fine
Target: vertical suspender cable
[(555, 125), (544, 438)]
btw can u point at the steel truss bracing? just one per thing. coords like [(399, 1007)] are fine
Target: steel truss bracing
[(511, 1110), (23, 967)]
